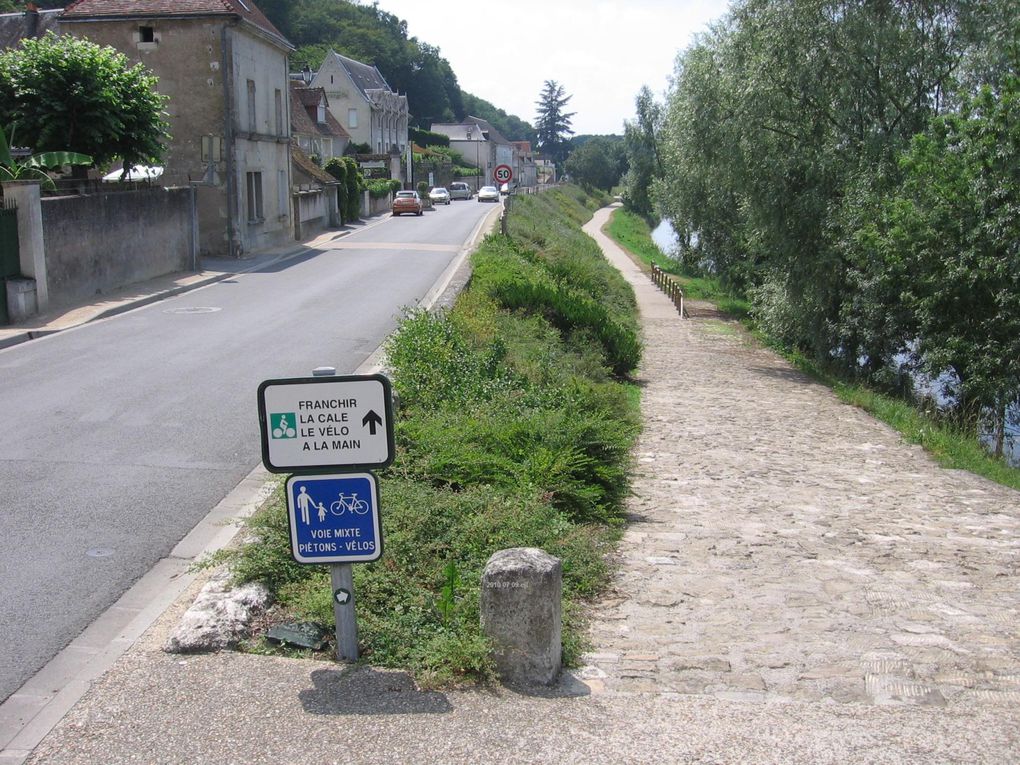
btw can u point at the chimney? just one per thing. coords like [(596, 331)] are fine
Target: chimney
[(32, 20)]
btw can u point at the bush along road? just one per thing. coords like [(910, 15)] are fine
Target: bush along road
[(515, 426)]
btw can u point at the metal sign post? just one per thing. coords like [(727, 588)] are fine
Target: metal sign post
[(341, 579), (338, 424)]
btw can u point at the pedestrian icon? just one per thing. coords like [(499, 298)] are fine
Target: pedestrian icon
[(282, 425), (303, 502)]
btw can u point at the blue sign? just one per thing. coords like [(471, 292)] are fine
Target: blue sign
[(334, 518)]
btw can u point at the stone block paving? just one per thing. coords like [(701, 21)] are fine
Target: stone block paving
[(784, 546)]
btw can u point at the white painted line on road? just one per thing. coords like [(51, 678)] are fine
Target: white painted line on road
[(484, 225)]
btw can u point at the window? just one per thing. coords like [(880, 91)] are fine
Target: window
[(146, 34), (352, 118), (321, 113), (251, 106), (279, 112), (255, 212)]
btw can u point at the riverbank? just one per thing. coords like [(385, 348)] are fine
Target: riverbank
[(952, 447)]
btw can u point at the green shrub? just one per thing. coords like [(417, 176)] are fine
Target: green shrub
[(426, 138), (354, 185), (380, 188), (512, 431)]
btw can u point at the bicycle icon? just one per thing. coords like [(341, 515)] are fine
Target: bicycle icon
[(351, 504)]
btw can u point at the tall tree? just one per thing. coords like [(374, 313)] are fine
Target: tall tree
[(552, 123), (67, 93), (642, 151), (773, 115), (948, 242), (598, 164)]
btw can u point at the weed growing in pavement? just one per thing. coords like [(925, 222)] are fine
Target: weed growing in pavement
[(514, 430)]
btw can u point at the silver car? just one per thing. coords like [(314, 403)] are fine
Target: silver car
[(488, 194), (459, 190), (439, 196)]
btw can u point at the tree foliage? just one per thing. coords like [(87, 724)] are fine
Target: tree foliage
[(510, 125), (642, 154), (948, 240), (34, 167), (781, 146), (552, 123), (598, 163), (68, 93), (369, 34), (346, 170)]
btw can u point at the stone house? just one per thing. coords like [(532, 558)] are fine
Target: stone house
[(313, 127), (480, 144), (363, 102), (224, 67)]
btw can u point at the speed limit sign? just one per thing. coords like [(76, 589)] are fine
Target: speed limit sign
[(503, 174)]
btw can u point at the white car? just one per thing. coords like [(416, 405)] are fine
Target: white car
[(488, 194), (439, 196)]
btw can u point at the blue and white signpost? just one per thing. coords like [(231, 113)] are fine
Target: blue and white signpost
[(334, 518), (336, 424)]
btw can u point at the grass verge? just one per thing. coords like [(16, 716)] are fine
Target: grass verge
[(951, 446), (515, 425)]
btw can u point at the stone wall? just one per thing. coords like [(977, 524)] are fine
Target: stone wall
[(98, 243), (311, 212)]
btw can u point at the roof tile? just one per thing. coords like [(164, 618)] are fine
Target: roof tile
[(245, 9)]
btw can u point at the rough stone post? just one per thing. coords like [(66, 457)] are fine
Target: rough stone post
[(521, 614)]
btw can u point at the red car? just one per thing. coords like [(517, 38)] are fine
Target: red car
[(407, 202)]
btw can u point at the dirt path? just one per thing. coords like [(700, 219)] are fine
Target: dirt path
[(786, 546)]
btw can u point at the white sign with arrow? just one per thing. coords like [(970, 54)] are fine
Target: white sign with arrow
[(310, 424)]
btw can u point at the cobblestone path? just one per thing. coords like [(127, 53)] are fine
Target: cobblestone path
[(786, 546)]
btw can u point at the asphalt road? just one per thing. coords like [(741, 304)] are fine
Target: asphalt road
[(119, 436)]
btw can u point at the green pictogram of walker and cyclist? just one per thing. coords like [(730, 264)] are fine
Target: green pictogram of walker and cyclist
[(345, 503)]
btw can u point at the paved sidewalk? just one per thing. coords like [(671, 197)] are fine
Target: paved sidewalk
[(786, 546), (133, 296), (797, 586)]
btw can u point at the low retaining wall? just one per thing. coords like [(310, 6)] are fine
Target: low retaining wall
[(311, 212), (101, 242), (370, 207)]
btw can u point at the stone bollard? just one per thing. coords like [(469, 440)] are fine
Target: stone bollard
[(521, 614)]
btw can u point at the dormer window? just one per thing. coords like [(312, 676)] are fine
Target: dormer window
[(321, 114)]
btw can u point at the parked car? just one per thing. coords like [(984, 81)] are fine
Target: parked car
[(460, 190), (407, 202), (439, 196), (488, 194)]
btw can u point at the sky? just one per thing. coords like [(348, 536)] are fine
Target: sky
[(600, 51)]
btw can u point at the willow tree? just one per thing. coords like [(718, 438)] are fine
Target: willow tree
[(772, 117)]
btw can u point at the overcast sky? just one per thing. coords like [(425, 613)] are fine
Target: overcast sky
[(601, 51)]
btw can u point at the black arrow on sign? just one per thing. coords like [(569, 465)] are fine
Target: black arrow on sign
[(372, 420)]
